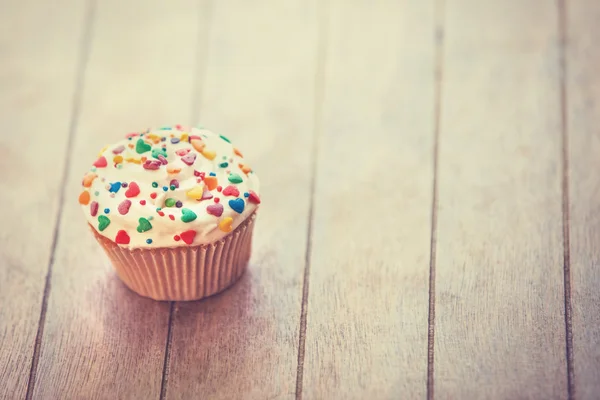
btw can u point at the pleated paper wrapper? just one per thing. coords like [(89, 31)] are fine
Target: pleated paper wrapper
[(185, 272)]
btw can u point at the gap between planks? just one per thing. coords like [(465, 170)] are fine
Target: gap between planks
[(319, 84), (84, 51), (562, 44)]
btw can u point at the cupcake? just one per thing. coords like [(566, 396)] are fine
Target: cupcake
[(174, 209)]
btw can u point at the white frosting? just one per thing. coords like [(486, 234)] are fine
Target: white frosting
[(169, 230)]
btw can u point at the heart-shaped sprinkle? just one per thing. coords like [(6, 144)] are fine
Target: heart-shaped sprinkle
[(209, 154), (215, 209), (122, 237), (206, 195), (231, 191), (237, 205), (84, 198), (188, 236), (198, 145), (182, 152), (211, 182), (195, 193), (88, 179), (94, 208), (103, 222), (144, 225), (187, 215), (189, 158), (225, 224), (253, 197), (101, 162), (141, 147), (158, 151), (133, 190), (124, 207), (151, 164), (114, 187), (170, 202), (184, 137), (118, 149), (235, 178)]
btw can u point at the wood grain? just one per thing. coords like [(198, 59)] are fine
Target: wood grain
[(500, 327), (583, 100), (258, 91), (366, 334), (35, 110), (101, 340)]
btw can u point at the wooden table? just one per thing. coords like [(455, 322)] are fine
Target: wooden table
[(430, 224)]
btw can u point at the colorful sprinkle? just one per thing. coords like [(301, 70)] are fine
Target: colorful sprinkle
[(174, 182), (209, 154), (225, 224), (216, 199), (188, 236), (117, 159), (189, 158), (165, 188), (237, 205), (215, 209), (211, 182), (225, 139), (224, 165), (171, 169), (122, 237), (84, 198), (212, 174), (141, 147), (103, 222), (184, 137), (195, 193), (182, 152), (198, 145), (162, 159), (179, 204), (231, 191), (154, 184), (152, 165), (133, 190), (237, 152), (187, 215), (114, 187), (206, 194), (172, 217), (149, 241), (253, 197), (144, 225), (235, 178), (245, 169), (170, 202), (106, 210), (176, 238), (88, 179), (153, 195), (143, 202), (101, 162), (158, 152), (118, 149), (94, 208), (174, 140), (124, 207)]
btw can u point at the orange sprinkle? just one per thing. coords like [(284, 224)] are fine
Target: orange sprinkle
[(184, 137), (211, 182), (237, 152), (84, 198), (88, 179), (144, 158), (118, 159), (130, 145), (245, 169), (198, 145), (173, 170), (225, 224)]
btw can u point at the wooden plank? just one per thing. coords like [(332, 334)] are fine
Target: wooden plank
[(366, 333), (583, 109), (39, 43), (100, 339), (259, 92), (500, 328)]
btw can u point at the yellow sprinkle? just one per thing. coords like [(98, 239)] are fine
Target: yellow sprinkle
[(184, 137), (209, 154), (102, 151), (118, 159), (195, 193), (225, 224), (133, 160), (198, 145)]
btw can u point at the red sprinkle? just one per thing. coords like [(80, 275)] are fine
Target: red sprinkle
[(219, 188), (217, 199), (188, 236), (194, 137), (172, 217), (153, 195), (143, 202), (253, 197), (231, 191), (101, 162), (122, 237), (133, 190), (176, 238), (162, 214), (94, 208)]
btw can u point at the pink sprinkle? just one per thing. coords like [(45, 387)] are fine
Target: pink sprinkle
[(118, 150), (124, 207), (182, 152), (189, 158), (162, 159), (151, 164), (94, 208)]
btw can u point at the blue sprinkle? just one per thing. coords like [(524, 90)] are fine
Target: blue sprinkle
[(246, 194), (114, 187), (106, 210), (212, 174), (149, 241), (174, 140), (165, 188)]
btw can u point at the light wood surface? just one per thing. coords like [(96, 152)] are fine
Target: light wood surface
[(582, 108), (35, 110), (428, 227), (500, 327)]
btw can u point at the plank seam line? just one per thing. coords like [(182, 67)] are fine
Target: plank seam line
[(194, 116), (319, 82), (438, 75), (562, 31), (84, 51)]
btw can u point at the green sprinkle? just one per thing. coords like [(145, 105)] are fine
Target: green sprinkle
[(159, 151), (187, 215), (173, 187), (96, 193), (170, 202), (235, 178), (225, 139), (141, 147), (144, 225), (154, 184), (103, 222), (224, 165)]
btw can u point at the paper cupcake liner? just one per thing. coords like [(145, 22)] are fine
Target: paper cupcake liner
[(185, 272)]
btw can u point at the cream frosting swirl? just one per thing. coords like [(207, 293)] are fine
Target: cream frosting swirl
[(169, 187)]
